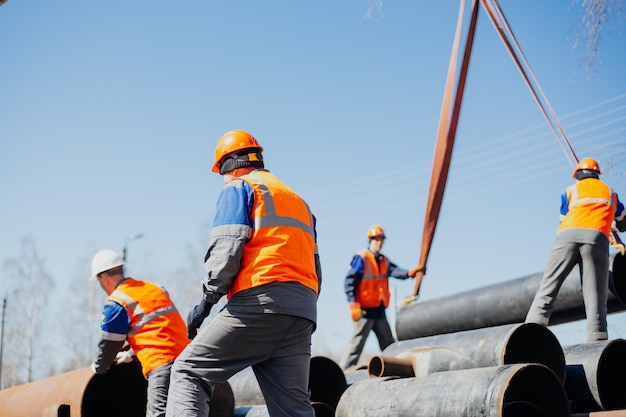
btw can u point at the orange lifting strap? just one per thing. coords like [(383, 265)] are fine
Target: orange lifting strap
[(449, 117)]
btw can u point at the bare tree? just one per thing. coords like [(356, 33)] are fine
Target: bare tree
[(597, 16), (24, 348)]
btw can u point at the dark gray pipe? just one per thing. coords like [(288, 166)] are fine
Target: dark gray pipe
[(504, 303), (529, 390), (594, 378), (321, 410), (491, 346), (326, 382)]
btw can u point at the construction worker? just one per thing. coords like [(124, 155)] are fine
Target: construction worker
[(367, 289), (142, 315), (263, 257), (589, 208)]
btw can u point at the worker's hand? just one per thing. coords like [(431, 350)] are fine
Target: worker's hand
[(619, 246), (355, 311), (196, 317), (124, 356), (415, 270)]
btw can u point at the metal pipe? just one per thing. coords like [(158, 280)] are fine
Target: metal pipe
[(326, 382), (594, 378), (490, 346), (504, 303), (81, 393), (321, 410), (380, 366), (529, 390)]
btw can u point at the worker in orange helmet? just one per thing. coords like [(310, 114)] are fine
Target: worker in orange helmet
[(367, 289), (263, 258), (589, 210)]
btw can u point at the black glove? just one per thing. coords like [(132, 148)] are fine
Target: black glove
[(196, 317)]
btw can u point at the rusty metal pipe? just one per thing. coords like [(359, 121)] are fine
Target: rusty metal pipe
[(504, 303), (380, 366), (594, 378), (529, 390), (80, 393), (491, 346)]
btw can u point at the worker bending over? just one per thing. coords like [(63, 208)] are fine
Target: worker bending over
[(142, 314)]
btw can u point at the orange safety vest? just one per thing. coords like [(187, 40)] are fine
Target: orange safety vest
[(591, 205), (157, 333), (374, 286), (282, 247)]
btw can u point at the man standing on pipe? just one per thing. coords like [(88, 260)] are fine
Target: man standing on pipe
[(367, 288), (588, 210), (263, 257), (142, 314)]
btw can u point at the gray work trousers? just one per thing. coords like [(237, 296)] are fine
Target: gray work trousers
[(593, 261), (277, 346), (361, 329), (158, 385)]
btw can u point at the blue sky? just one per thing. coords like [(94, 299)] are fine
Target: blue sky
[(111, 111)]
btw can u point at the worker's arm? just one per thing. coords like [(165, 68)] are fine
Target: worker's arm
[(318, 264), (396, 272), (353, 277), (620, 216), (232, 228), (352, 281), (115, 322)]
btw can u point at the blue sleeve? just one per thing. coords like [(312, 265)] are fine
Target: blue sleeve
[(564, 204), (396, 272), (354, 276), (115, 320), (234, 204)]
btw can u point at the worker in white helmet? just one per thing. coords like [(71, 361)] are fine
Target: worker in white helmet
[(142, 315)]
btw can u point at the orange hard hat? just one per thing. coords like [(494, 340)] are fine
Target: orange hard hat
[(375, 231), (587, 163), (233, 141)]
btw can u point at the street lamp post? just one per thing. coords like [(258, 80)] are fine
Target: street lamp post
[(128, 239)]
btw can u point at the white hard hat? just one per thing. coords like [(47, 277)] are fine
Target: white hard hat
[(103, 261)]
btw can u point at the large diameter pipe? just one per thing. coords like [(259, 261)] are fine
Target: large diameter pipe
[(491, 346), (327, 382), (595, 375), (80, 393), (504, 303), (529, 390), (320, 409)]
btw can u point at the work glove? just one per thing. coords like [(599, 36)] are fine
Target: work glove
[(124, 356), (196, 317), (619, 246), (355, 311), (415, 270)]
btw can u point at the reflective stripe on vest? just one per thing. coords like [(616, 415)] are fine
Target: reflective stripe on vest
[(157, 333), (374, 286), (282, 245), (591, 205)]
